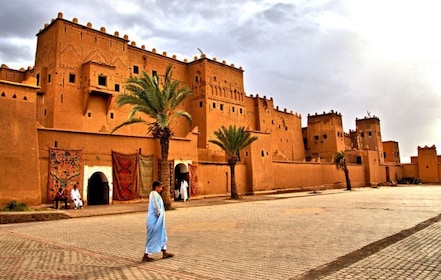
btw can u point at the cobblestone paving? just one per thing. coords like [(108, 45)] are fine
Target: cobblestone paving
[(416, 257), (273, 239)]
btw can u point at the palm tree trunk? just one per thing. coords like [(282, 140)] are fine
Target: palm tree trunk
[(348, 182), (234, 194), (165, 172)]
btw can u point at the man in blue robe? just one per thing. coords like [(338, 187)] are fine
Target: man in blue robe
[(156, 233)]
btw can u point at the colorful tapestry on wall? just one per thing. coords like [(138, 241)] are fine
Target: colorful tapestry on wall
[(125, 176), (64, 171), (193, 178), (145, 175)]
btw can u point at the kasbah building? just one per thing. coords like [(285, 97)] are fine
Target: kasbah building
[(65, 107)]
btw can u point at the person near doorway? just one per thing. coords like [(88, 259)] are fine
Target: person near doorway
[(76, 197), (59, 196), (184, 190), (176, 189), (156, 232)]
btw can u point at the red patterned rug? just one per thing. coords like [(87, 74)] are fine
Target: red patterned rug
[(125, 176), (64, 171), (193, 179)]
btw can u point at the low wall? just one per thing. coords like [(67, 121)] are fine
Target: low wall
[(315, 176), (410, 170), (215, 178), (25, 217)]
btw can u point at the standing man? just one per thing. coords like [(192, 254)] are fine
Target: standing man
[(76, 197), (156, 233), (184, 190)]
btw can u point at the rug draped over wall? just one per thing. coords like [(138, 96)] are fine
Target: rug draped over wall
[(145, 175), (64, 171), (125, 176), (193, 178)]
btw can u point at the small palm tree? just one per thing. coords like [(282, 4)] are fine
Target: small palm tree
[(232, 140), (159, 102), (340, 163)]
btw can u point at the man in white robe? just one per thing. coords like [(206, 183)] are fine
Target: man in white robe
[(156, 232), (75, 196), (183, 190)]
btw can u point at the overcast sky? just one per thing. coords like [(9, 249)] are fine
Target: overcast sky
[(350, 56)]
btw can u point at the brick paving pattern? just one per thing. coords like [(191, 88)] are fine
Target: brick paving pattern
[(282, 237), (416, 257)]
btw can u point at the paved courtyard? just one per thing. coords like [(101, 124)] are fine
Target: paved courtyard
[(291, 236)]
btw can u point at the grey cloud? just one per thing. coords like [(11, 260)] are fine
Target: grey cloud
[(19, 53)]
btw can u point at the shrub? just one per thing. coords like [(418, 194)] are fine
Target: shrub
[(15, 206)]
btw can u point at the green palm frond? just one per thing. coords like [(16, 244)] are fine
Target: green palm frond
[(232, 140), (340, 160), (128, 122), (159, 102)]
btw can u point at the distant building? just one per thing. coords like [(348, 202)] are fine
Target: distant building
[(426, 166)]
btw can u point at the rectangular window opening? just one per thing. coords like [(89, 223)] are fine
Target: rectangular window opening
[(102, 80), (71, 78)]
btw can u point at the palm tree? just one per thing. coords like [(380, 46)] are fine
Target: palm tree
[(232, 141), (340, 163), (159, 102)]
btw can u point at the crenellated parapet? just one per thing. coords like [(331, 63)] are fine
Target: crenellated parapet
[(332, 112), (265, 101), (134, 45), (369, 117), (433, 147)]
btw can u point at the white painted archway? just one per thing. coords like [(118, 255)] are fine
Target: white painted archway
[(89, 171)]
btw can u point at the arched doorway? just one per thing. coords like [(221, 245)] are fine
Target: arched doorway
[(97, 189), (181, 173)]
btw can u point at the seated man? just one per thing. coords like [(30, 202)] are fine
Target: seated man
[(76, 197), (59, 196)]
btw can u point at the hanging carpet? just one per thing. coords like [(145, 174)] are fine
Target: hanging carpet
[(125, 176), (145, 175), (64, 171)]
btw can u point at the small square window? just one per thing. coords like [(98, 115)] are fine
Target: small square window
[(117, 87), (135, 69), (316, 137), (71, 78), (102, 80)]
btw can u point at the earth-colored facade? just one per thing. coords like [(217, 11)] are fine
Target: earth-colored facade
[(67, 101)]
